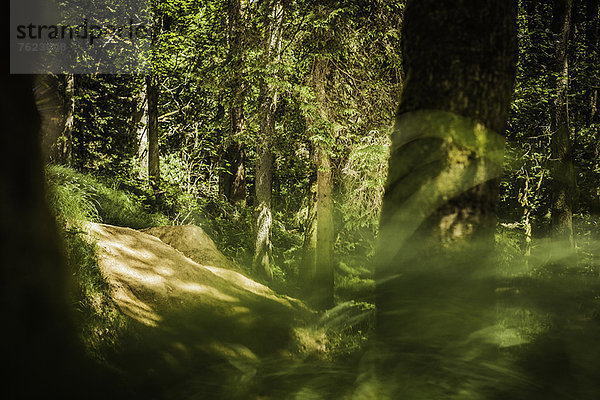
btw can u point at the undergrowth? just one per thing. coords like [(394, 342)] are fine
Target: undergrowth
[(79, 197)]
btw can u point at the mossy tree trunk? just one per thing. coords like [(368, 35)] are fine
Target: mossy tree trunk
[(322, 281), (263, 255)]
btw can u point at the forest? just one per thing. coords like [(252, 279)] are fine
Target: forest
[(336, 199)]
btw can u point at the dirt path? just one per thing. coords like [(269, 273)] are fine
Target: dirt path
[(187, 315)]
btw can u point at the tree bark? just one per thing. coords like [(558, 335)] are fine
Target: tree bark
[(593, 43), (140, 126), (153, 148), (438, 221), (263, 257), (563, 174), (65, 150), (323, 282), (232, 180)]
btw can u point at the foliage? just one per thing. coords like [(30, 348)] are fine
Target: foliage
[(78, 197), (349, 114)]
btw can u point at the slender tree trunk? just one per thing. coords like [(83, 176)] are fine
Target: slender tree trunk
[(527, 192), (263, 258), (526, 204), (80, 142), (563, 174), (593, 42), (140, 125), (65, 149), (153, 149), (232, 179), (438, 221)]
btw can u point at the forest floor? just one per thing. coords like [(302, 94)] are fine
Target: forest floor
[(195, 319)]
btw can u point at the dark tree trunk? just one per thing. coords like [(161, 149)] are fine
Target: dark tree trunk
[(438, 218), (232, 179), (593, 44), (561, 167), (39, 341), (153, 149), (38, 333), (55, 101)]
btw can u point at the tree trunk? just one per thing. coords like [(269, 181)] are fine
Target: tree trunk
[(437, 221), (563, 174), (263, 258), (232, 180), (322, 291), (323, 282), (593, 43), (39, 339), (65, 149), (153, 149), (140, 125)]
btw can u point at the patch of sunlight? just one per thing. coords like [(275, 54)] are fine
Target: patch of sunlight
[(116, 245), (248, 284), (135, 308), (144, 254), (164, 271), (146, 278), (239, 279), (206, 290)]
